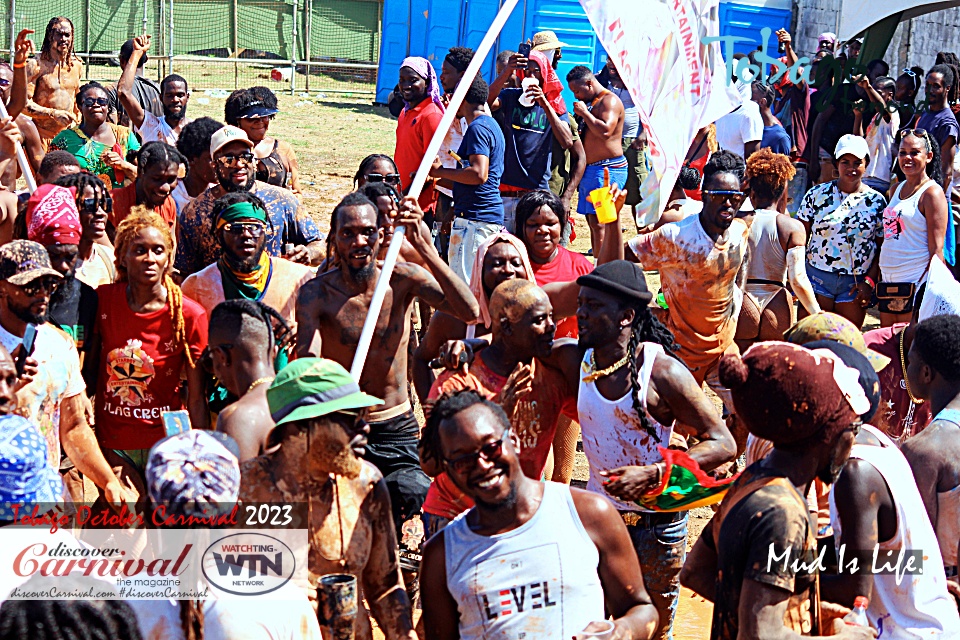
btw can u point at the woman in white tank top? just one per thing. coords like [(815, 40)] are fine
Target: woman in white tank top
[(914, 227)]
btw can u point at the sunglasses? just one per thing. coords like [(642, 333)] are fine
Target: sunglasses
[(719, 197), (390, 178), (90, 205), (231, 159), (910, 72), (257, 119), (920, 133), (489, 451), (255, 229), (47, 283), (99, 102), (4, 82)]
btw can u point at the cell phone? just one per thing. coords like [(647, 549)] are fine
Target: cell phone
[(175, 422), (524, 49), (29, 338)]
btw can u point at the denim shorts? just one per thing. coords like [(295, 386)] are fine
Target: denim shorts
[(835, 286), (661, 549)]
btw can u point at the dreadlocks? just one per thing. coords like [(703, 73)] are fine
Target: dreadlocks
[(48, 42), (141, 218), (645, 328), (67, 619), (229, 315), (368, 162)]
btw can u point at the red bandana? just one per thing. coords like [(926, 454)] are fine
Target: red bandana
[(52, 216)]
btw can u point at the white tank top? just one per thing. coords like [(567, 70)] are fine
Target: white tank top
[(905, 253), (538, 581), (948, 511), (612, 436), (768, 260), (919, 607)]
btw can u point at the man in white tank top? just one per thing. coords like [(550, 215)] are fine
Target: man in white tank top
[(886, 546), (934, 453), (531, 559)]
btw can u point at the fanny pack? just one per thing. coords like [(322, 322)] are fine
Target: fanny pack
[(896, 297)]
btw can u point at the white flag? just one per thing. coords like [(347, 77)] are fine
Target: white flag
[(677, 83)]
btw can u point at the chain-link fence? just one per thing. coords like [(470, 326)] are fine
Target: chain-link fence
[(289, 45)]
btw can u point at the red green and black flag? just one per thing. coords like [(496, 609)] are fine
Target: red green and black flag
[(684, 485)]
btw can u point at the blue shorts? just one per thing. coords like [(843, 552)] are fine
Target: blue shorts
[(835, 286), (593, 179)]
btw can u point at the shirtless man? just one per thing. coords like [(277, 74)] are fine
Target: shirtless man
[(53, 79), (600, 116), (13, 92), (777, 247), (331, 310), (316, 406), (934, 453), (241, 350)]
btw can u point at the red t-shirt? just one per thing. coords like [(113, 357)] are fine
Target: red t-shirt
[(139, 372), (534, 425), (566, 267), (415, 129), (894, 401), (125, 199)]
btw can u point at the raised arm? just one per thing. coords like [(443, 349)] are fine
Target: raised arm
[(141, 44), (515, 63), (604, 124), (559, 128), (444, 290), (18, 90), (382, 584)]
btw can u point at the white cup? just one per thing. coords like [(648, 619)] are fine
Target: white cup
[(603, 634), (524, 85)]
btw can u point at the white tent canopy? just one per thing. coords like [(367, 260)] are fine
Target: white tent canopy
[(856, 16)]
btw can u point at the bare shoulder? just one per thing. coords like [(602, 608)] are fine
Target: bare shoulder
[(595, 511), (669, 372), (256, 481)]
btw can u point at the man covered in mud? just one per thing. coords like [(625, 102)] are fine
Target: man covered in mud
[(701, 260), (317, 408), (331, 310), (53, 79)]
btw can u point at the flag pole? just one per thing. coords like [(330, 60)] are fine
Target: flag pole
[(21, 157), (370, 324)]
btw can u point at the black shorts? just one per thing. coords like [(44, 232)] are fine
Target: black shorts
[(392, 448)]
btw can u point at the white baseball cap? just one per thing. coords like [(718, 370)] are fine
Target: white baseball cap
[(850, 143), (226, 135)]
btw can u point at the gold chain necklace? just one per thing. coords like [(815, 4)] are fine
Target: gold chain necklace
[(259, 381), (903, 365), (591, 377)]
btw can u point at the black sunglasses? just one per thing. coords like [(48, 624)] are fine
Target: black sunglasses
[(489, 451), (90, 205), (49, 283), (390, 178), (99, 102)]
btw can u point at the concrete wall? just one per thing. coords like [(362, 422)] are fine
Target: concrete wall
[(916, 42)]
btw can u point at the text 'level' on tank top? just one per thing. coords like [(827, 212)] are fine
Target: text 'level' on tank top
[(539, 580), (612, 435)]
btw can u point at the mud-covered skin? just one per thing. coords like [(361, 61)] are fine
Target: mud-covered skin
[(349, 533), (52, 85)]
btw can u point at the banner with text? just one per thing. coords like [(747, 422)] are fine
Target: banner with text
[(678, 83)]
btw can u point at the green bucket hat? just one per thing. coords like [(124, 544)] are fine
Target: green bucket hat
[(313, 387)]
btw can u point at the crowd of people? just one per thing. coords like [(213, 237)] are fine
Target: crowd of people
[(167, 263)]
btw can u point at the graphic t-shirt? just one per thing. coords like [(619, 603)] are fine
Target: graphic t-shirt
[(156, 129), (58, 378), (698, 277), (844, 227), (566, 267), (481, 202), (767, 514), (140, 367), (529, 142)]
